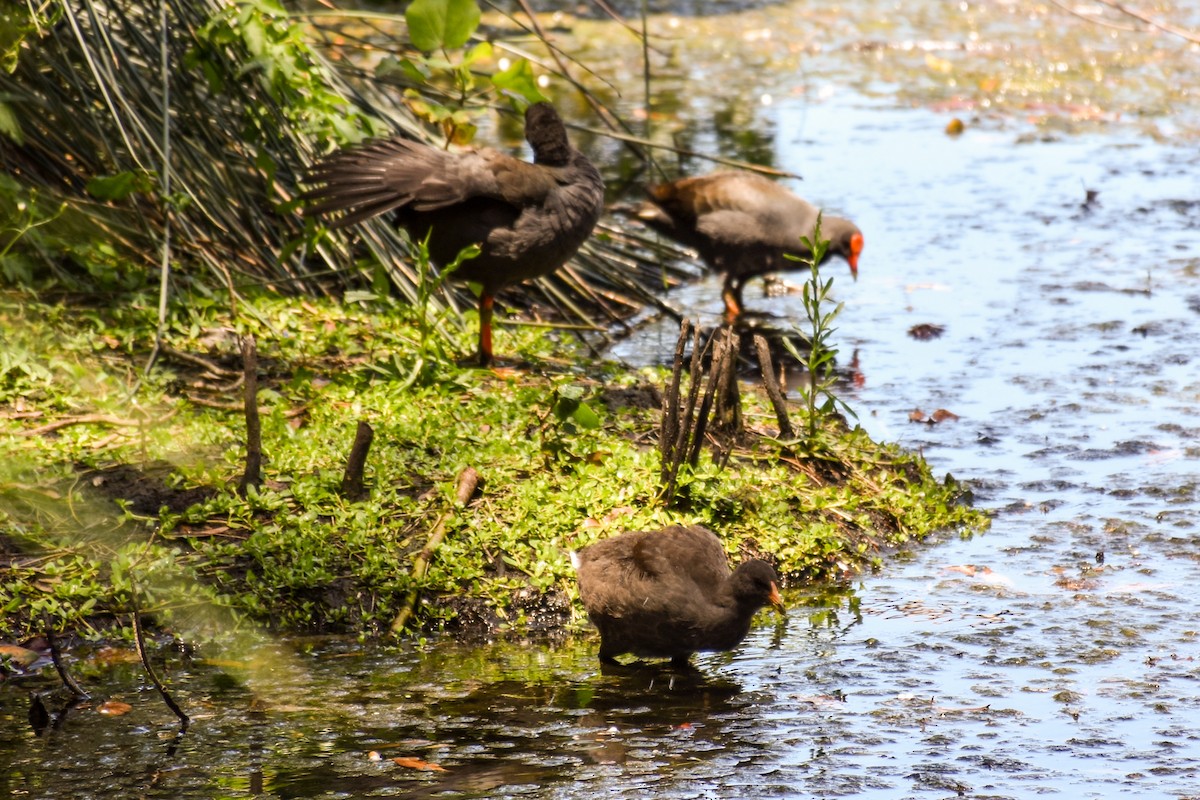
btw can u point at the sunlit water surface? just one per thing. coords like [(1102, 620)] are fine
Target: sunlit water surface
[(1054, 655)]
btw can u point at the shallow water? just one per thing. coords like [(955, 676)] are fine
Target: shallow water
[(1055, 655)]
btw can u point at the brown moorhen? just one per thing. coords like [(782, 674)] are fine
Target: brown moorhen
[(527, 218), (742, 223), (670, 593)]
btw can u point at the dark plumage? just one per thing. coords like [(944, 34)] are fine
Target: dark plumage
[(741, 223), (528, 218), (670, 593)]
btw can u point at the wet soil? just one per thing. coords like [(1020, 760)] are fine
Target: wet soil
[(145, 489)]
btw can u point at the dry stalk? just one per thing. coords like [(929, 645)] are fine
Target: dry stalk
[(253, 474), (712, 392), (669, 426), (774, 390), (468, 479), (352, 480)]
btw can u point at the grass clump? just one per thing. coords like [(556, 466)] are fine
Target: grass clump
[(118, 491)]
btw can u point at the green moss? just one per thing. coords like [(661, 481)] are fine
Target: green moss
[(295, 553)]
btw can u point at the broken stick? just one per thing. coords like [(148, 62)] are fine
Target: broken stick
[(468, 479), (774, 390), (252, 476), (352, 480)]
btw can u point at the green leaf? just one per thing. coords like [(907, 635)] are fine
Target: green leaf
[(585, 417), (381, 282), (570, 406), (405, 67), (9, 125), (255, 36), (441, 24), (481, 51), (519, 79), (121, 185), (572, 392), (359, 296)]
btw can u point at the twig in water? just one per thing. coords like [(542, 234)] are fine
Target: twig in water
[(1146, 19), (66, 677), (140, 640)]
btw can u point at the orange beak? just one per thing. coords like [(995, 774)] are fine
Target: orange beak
[(775, 600), (856, 246)]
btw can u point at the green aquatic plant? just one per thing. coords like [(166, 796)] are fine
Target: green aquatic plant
[(820, 402)]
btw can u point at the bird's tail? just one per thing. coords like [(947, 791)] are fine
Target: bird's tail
[(364, 181)]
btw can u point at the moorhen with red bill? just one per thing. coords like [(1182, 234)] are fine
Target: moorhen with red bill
[(742, 224), (527, 218), (670, 593)]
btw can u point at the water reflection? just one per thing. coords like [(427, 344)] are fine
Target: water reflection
[(490, 732)]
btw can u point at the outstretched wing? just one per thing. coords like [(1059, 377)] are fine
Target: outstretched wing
[(371, 179)]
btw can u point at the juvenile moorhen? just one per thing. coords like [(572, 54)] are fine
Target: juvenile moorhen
[(670, 593), (742, 224), (527, 218)]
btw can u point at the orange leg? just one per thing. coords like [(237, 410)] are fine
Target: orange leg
[(731, 293), (485, 328)]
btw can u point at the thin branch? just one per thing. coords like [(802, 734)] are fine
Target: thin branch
[(617, 18), (683, 151), (66, 677), (200, 361), (701, 429), (1132, 13), (771, 383), (468, 479), (140, 640), (82, 419), (685, 423), (1092, 19), (252, 476), (728, 411), (1165, 27), (164, 280), (669, 424)]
